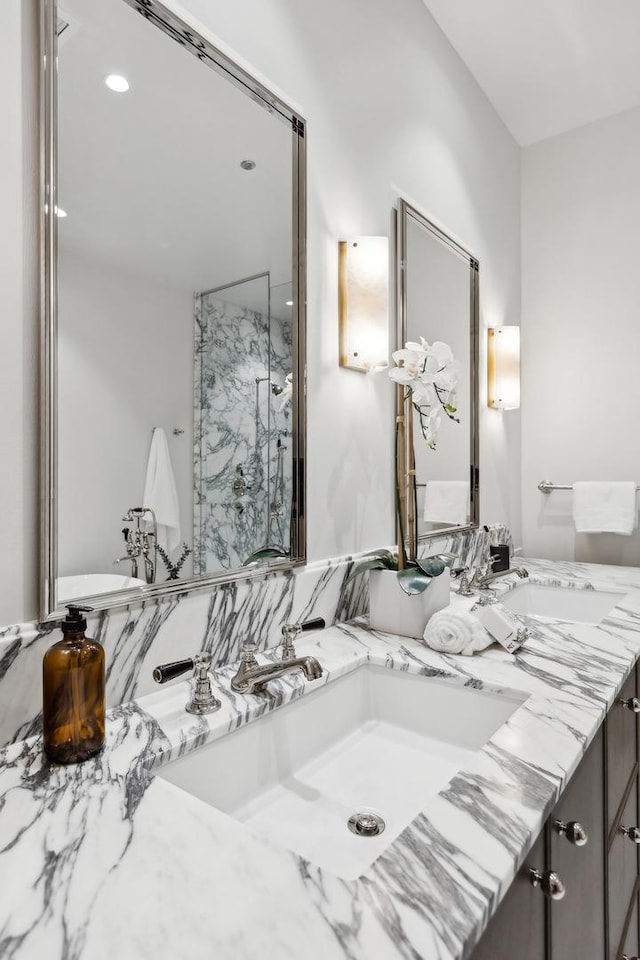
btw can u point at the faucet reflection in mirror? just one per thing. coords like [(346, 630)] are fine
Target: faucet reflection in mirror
[(503, 368), (141, 544), (363, 303)]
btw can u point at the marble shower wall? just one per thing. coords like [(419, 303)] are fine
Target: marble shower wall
[(238, 423), (139, 636)]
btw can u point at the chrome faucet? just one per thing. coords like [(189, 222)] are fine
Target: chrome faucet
[(252, 677), (481, 581), (203, 699)]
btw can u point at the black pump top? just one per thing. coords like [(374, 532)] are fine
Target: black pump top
[(74, 622)]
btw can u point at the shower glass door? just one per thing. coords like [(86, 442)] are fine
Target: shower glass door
[(242, 421)]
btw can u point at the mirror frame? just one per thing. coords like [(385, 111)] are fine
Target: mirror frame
[(406, 212), (194, 43)]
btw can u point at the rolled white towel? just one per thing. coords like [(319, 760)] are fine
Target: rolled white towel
[(456, 630)]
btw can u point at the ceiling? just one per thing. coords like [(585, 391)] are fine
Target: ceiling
[(548, 66), (151, 179)]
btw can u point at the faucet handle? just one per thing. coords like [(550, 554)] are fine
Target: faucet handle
[(203, 699), (249, 657), (169, 671), (465, 580), (290, 632)]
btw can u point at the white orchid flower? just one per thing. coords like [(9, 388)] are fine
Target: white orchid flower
[(423, 393), (431, 374), (447, 377), (431, 424), (409, 364), (441, 352)]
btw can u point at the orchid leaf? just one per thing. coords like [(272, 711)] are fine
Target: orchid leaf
[(447, 558), (384, 561), (265, 554), (413, 581), (432, 566), (387, 557)]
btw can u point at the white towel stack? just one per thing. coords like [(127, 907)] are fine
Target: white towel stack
[(605, 507), (447, 501), (160, 492), (456, 630)]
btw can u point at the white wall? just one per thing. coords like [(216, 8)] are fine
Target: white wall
[(390, 109), (581, 329), (114, 388)]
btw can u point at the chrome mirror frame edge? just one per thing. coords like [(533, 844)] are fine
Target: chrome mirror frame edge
[(405, 209), (161, 17)]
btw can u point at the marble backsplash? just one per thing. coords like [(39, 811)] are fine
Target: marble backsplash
[(221, 621)]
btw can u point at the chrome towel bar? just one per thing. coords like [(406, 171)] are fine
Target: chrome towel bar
[(545, 486)]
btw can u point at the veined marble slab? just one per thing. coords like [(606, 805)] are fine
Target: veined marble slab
[(140, 635), (102, 860)]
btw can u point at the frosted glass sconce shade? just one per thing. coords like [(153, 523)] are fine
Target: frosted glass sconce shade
[(363, 291), (503, 368)]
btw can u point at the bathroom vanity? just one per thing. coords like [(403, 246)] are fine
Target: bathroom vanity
[(585, 861), (109, 858)]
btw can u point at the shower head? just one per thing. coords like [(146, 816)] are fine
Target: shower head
[(276, 389)]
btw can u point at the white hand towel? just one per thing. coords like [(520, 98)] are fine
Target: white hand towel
[(447, 501), (160, 492), (605, 507), (456, 630)]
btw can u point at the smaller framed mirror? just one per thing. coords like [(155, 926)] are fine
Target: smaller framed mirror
[(437, 398)]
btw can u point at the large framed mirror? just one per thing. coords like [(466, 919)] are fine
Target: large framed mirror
[(438, 300), (173, 310)]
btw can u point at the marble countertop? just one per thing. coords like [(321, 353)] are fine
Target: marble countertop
[(104, 860)]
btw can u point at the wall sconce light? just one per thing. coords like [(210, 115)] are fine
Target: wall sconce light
[(363, 303), (503, 368)]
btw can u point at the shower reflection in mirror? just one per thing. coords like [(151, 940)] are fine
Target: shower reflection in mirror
[(242, 418)]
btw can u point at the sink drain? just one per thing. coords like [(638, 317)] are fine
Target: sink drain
[(366, 824)]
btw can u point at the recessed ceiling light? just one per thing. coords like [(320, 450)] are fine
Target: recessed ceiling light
[(288, 303), (248, 164), (61, 213), (117, 83)]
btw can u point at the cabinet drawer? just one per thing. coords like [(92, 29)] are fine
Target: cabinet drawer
[(622, 871), (577, 923), (621, 748), (630, 944), (518, 927)]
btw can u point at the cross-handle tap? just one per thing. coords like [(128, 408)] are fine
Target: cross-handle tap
[(291, 631), (481, 581), (203, 699)]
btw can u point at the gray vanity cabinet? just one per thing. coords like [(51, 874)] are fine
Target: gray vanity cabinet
[(598, 916), (577, 922), (518, 927), (622, 820)]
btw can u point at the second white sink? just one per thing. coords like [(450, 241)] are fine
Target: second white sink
[(561, 603), (374, 741)]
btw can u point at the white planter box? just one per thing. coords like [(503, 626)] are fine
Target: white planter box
[(392, 611)]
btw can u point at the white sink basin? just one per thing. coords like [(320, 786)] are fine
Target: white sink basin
[(376, 740), (88, 584), (561, 603)]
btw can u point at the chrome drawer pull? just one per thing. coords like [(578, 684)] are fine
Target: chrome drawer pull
[(632, 832), (549, 882), (632, 704), (573, 831)]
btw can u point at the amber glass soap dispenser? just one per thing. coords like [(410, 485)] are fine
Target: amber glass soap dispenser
[(73, 703)]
